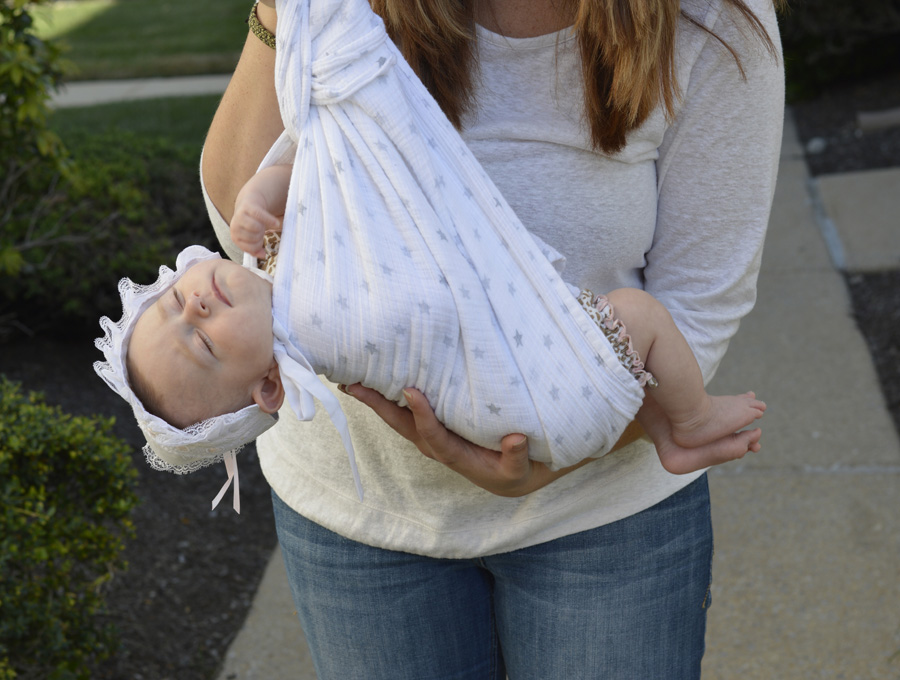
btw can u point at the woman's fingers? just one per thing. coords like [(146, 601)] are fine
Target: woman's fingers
[(514, 462), (398, 418), (417, 423), (502, 472), (506, 472), (438, 442)]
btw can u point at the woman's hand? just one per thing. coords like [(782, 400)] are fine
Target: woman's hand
[(508, 472)]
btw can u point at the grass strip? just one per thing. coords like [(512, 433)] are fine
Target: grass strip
[(182, 120), (142, 38)]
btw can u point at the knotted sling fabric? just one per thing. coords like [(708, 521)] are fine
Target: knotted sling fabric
[(401, 265)]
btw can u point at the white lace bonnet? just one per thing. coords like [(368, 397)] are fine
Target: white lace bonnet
[(169, 448)]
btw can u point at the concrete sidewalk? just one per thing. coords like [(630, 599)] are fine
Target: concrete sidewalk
[(807, 566), (93, 92)]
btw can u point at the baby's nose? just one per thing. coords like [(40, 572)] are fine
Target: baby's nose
[(195, 304)]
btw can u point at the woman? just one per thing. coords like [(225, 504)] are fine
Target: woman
[(652, 167)]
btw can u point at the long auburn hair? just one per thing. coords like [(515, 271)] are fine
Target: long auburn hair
[(627, 52)]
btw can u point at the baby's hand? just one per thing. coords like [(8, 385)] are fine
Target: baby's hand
[(250, 223)]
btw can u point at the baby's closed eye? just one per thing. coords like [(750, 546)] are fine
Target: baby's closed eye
[(205, 341)]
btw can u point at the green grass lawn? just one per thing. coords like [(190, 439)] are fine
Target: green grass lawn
[(182, 120), (140, 38)]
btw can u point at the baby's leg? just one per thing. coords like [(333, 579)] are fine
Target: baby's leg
[(697, 419)]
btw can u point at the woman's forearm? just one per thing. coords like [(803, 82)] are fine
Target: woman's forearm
[(247, 122), (508, 472)]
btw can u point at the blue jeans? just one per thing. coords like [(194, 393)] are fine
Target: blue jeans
[(625, 601)]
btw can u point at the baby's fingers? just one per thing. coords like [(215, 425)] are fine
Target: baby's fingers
[(250, 216), (268, 221), (254, 246), (247, 232)]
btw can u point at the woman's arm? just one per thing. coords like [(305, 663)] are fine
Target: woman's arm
[(247, 121), (509, 472), (716, 175)]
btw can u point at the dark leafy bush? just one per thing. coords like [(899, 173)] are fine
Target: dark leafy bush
[(829, 41), (73, 222), (124, 205), (30, 153), (66, 494)]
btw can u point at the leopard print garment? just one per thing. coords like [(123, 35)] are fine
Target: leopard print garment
[(601, 311)]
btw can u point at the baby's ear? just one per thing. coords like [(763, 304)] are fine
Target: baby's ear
[(269, 392)]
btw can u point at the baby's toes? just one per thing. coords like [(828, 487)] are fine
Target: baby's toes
[(751, 439), (755, 404)]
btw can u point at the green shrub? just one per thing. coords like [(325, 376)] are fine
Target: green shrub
[(30, 153), (124, 205), (66, 494), (828, 41), (30, 68)]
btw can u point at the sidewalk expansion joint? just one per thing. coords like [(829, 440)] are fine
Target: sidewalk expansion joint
[(836, 469), (826, 225)]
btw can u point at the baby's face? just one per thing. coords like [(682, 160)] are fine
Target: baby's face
[(206, 342)]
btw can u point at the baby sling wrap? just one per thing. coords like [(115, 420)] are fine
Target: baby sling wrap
[(406, 266)]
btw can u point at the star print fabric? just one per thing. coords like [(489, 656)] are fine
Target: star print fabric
[(401, 265)]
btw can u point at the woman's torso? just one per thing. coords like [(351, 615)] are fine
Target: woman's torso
[(599, 212)]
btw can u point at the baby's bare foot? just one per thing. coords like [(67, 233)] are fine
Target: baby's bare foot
[(722, 416), (680, 461)]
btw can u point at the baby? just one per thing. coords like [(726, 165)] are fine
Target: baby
[(204, 348)]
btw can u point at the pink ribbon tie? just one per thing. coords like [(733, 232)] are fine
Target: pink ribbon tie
[(231, 467)]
